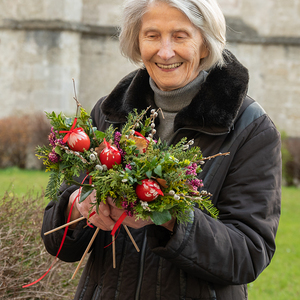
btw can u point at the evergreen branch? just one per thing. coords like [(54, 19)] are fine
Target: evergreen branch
[(54, 183)]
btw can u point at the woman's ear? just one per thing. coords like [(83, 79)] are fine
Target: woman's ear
[(204, 51)]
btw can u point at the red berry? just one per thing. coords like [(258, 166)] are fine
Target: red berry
[(78, 141), (149, 190), (110, 155)]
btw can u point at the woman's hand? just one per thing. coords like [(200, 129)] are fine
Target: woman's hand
[(108, 214), (101, 220), (116, 212)]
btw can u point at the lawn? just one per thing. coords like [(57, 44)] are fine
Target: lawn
[(21, 182), (279, 281)]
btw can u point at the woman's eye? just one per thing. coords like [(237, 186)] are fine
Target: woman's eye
[(151, 35), (180, 36)]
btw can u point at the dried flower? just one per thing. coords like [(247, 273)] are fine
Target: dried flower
[(99, 168), (93, 157), (53, 157)]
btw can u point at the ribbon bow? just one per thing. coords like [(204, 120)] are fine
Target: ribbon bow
[(73, 129)]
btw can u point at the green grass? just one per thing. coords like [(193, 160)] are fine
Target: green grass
[(21, 182), (280, 281)]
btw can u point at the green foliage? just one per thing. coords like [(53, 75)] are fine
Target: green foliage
[(54, 183)]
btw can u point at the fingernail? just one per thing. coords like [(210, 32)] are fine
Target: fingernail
[(111, 227), (106, 213)]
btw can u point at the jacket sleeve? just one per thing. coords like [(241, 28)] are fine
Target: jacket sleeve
[(76, 240), (237, 247)]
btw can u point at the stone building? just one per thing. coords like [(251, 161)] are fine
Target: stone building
[(46, 43)]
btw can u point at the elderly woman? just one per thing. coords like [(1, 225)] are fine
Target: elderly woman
[(201, 89)]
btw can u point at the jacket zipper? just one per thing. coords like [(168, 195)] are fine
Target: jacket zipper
[(142, 262)]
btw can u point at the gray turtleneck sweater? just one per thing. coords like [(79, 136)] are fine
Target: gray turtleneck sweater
[(171, 102)]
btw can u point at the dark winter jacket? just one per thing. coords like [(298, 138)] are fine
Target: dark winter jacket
[(207, 258)]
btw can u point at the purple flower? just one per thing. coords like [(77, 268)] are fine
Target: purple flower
[(53, 157), (53, 138), (129, 213), (124, 204), (195, 183), (128, 207), (191, 170), (117, 143)]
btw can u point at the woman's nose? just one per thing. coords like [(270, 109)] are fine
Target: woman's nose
[(166, 50)]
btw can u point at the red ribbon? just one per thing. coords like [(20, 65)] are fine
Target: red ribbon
[(73, 129), (140, 135), (88, 220), (118, 223)]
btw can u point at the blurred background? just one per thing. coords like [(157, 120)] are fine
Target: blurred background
[(44, 44)]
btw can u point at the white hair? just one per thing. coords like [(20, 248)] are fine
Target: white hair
[(206, 15)]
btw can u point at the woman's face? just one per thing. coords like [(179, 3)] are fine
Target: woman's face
[(171, 47)]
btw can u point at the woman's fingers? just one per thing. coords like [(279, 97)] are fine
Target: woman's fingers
[(101, 219), (102, 222), (104, 208)]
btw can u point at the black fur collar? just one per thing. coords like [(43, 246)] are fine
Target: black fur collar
[(214, 108)]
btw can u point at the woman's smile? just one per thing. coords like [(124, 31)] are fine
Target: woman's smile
[(169, 67)]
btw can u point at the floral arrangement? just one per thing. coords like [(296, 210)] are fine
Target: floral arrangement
[(146, 177)]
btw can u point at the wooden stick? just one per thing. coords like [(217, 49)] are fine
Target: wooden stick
[(114, 251), (86, 251), (214, 156), (65, 225), (132, 239)]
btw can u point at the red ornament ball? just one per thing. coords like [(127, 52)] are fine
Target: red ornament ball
[(149, 190), (110, 156), (78, 141)]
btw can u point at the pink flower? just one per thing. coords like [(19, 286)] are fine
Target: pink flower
[(53, 157), (117, 143), (128, 207), (53, 139)]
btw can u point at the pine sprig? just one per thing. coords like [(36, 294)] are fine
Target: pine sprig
[(54, 183)]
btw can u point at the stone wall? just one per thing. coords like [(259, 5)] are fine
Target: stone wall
[(46, 43), (265, 36)]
